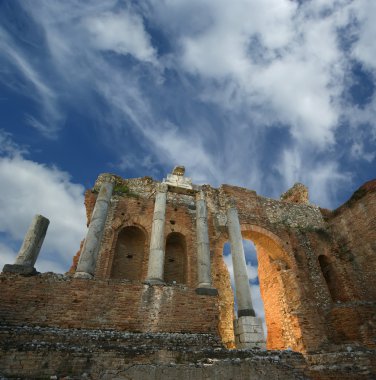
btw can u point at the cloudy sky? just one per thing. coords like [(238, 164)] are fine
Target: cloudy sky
[(256, 93)]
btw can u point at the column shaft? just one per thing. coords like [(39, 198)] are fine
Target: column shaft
[(88, 258), (243, 292), (33, 241), (157, 240), (203, 248)]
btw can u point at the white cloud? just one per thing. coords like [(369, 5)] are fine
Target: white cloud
[(122, 33), (365, 48), (38, 89), (322, 176), (29, 188), (255, 64)]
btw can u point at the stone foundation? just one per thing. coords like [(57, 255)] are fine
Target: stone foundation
[(249, 332)]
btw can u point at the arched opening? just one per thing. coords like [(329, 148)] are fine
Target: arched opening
[(129, 254), (252, 269), (330, 278), (277, 282), (175, 259)]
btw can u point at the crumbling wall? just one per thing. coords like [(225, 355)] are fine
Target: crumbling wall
[(57, 300), (353, 230)]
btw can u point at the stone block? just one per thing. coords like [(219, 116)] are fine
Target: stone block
[(24, 270), (251, 337)]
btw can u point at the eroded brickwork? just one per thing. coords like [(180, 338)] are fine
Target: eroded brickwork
[(61, 301), (316, 272)]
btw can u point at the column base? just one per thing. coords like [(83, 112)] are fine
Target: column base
[(154, 281), (249, 333), (24, 270), (84, 275), (246, 313), (206, 291)]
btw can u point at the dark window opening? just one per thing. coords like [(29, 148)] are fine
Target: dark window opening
[(175, 260), (129, 254)]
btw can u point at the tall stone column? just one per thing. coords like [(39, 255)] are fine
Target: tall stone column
[(204, 286), (88, 258), (243, 292), (157, 240), (29, 251), (248, 328)]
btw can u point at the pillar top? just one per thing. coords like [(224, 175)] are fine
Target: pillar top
[(162, 187), (178, 179), (200, 196), (179, 170), (230, 203)]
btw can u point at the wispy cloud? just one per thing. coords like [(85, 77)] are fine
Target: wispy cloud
[(30, 188), (37, 88), (251, 94)]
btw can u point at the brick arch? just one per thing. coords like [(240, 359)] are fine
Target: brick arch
[(190, 276), (270, 242), (281, 289), (331, 278), (279, 286), (129, 254), (175, 265)]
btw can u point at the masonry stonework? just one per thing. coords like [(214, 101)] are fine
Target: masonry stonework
[(316, 269)]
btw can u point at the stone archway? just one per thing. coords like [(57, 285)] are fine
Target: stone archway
[(274, 273), (279, 288)]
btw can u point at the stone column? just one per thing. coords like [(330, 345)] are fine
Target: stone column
[(29, 251), (243, 292), (204, 286), (88, 258), (157, 239), (248, 328)]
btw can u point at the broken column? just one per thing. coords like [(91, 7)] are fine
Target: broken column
[(204, 286), (157, 240), (88, 258), (29, 251), (247, 328)]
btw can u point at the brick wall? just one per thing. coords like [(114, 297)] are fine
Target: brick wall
[(129, 254), (310, 260), (55, 300)]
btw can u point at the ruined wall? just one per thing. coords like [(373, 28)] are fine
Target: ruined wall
[(288, 265), (39, 352), (353, 230), (315, 266), (316, 270), (60, 301)]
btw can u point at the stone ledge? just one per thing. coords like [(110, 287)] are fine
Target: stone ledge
[(24, 270), (207, 292)]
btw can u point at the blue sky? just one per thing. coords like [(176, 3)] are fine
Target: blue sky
[(255, 93)]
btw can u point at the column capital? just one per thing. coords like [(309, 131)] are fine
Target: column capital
[(162, 187), (230, 203), (200, 196)]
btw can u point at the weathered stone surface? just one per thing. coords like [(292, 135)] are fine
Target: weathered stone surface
[(243, 291), (88, 258), (29, 251), (297, 194), (249, 332), (203, 246), (25, 270), (316, 272), (157, 241)]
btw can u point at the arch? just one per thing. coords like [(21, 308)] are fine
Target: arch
[(278, 282), (129, 254), (269, 242), (330, 278), (175, 258)]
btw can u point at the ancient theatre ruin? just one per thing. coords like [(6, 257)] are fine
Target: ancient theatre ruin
[(152, 263)]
